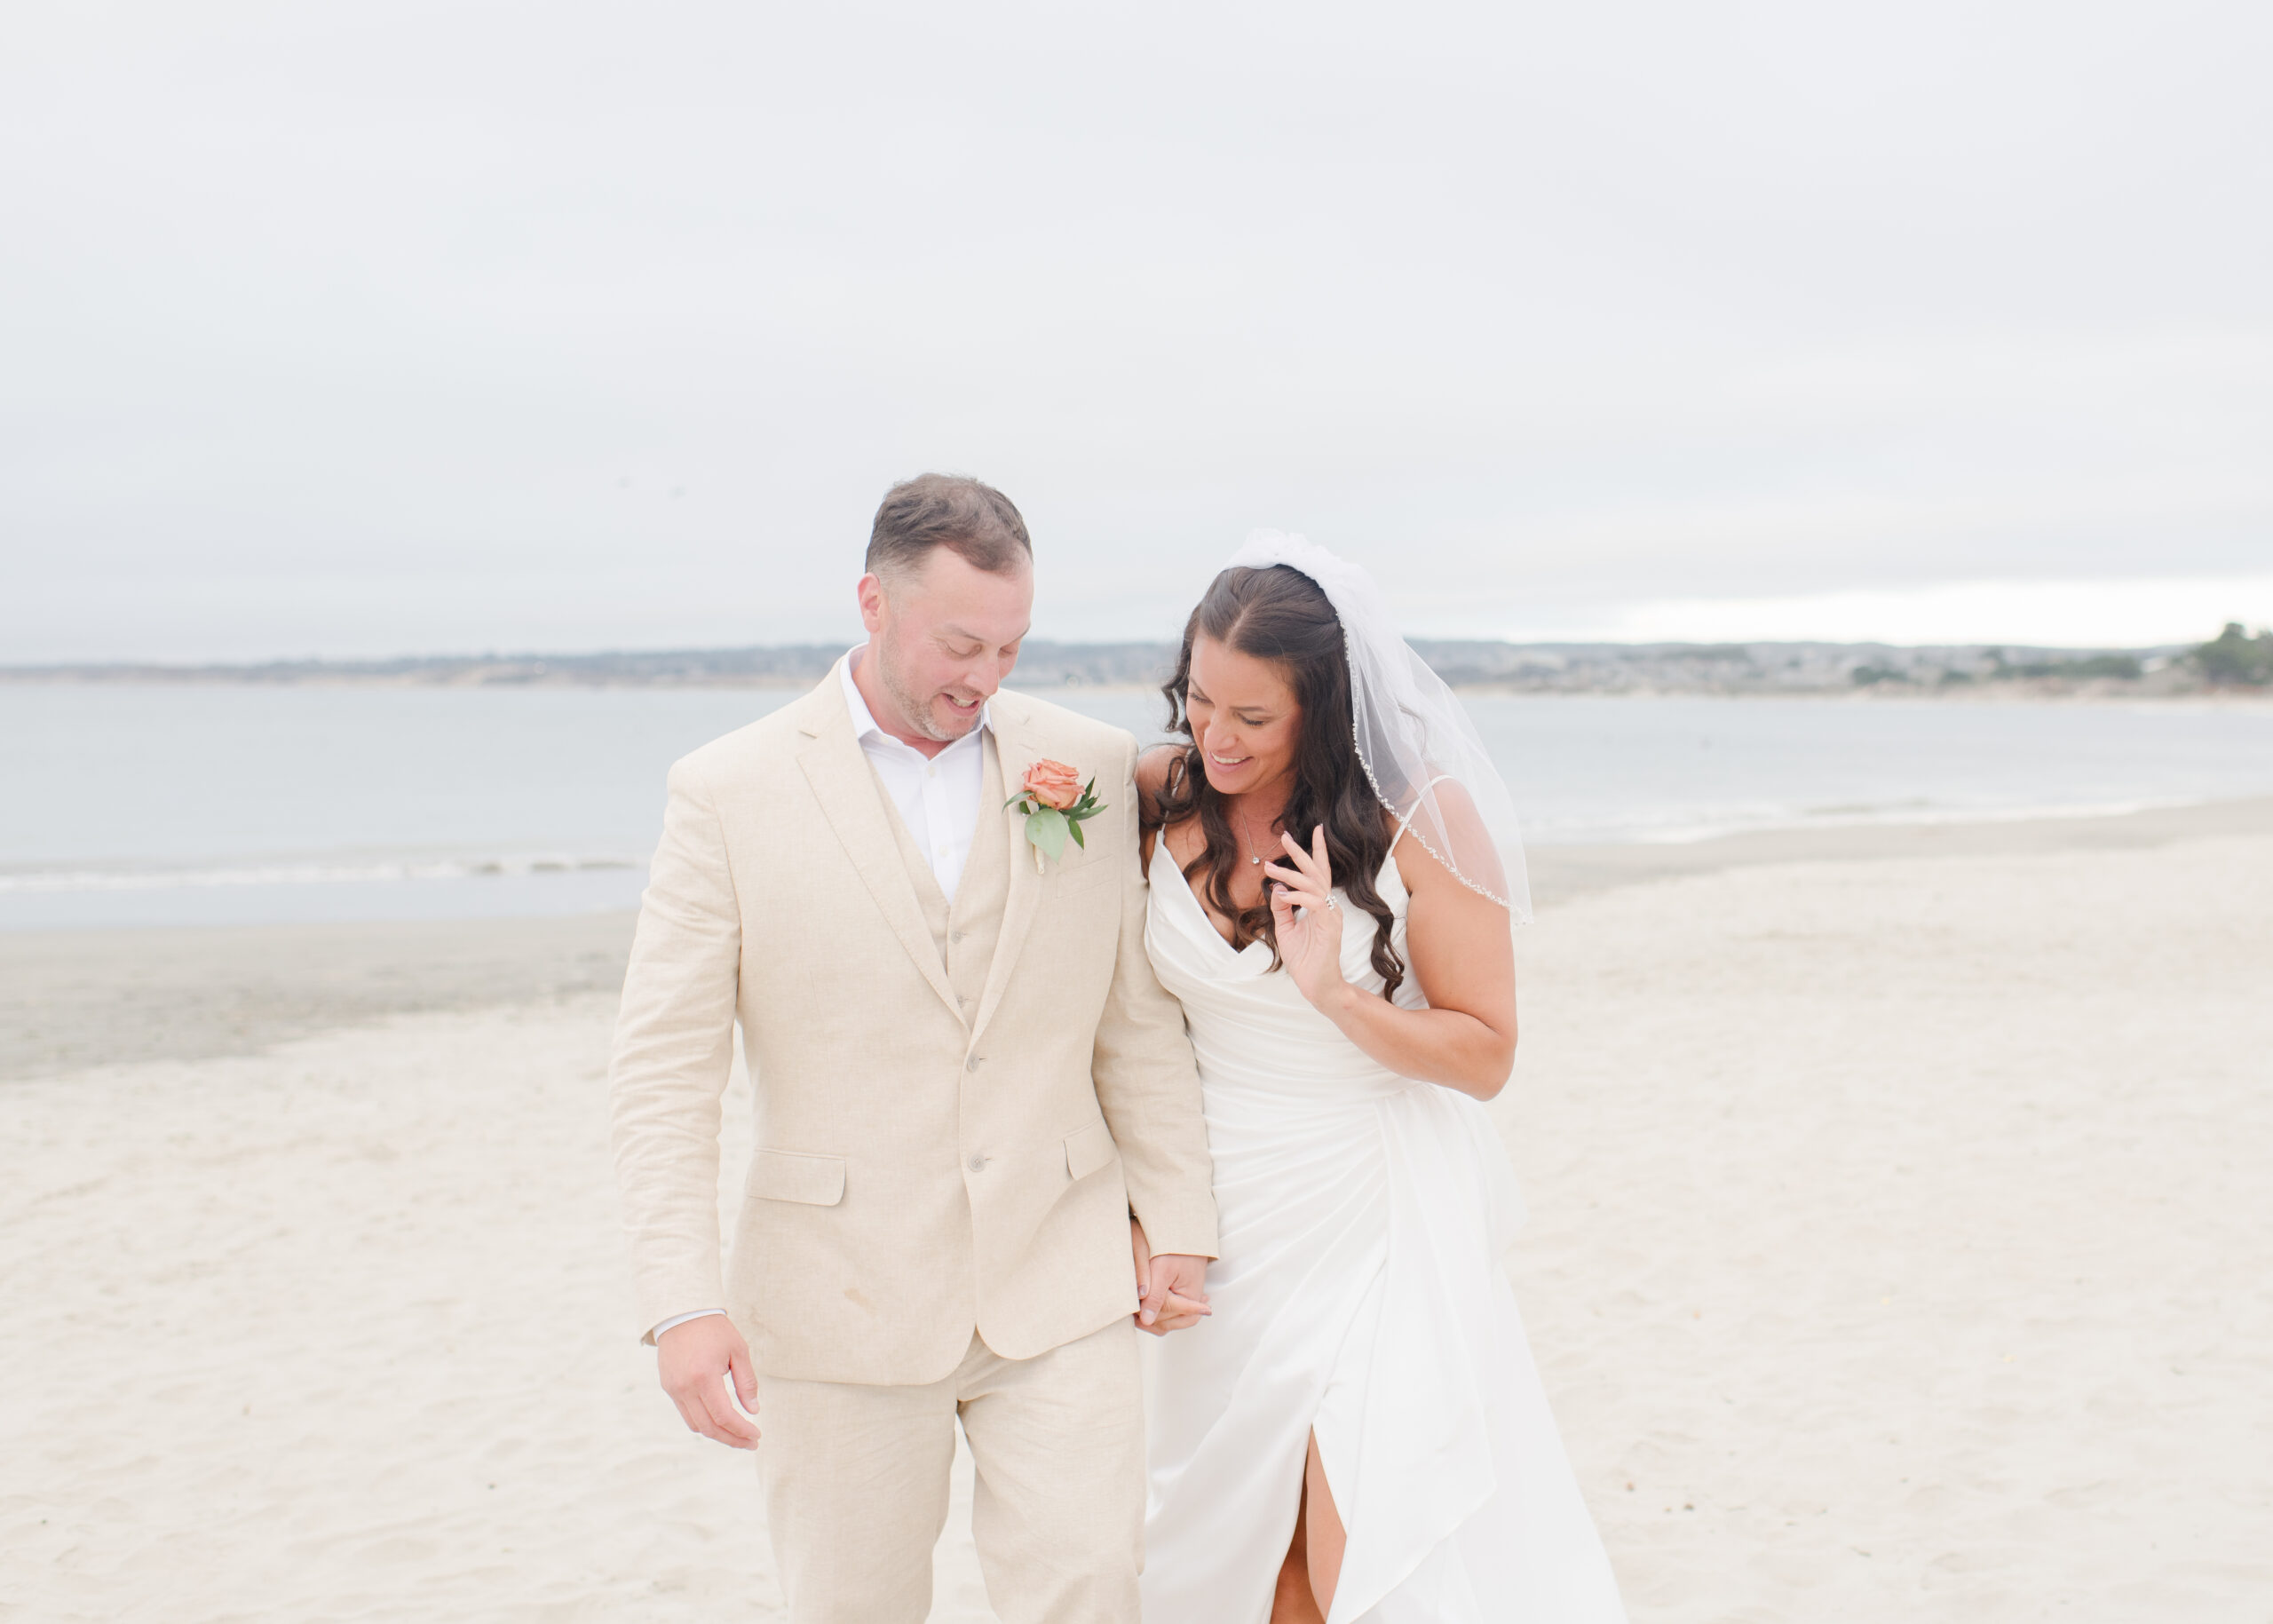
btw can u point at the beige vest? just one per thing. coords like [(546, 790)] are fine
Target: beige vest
[(963, 932)]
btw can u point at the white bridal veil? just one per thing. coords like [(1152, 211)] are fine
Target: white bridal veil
[(1415, 738)]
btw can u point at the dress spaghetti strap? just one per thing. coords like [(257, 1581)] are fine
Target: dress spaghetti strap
[(1405, 822)]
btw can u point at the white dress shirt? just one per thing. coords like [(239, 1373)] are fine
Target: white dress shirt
[(938, 798), (936, 795)]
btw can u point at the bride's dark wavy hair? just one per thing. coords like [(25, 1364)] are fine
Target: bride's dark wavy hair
[(1280, 614)]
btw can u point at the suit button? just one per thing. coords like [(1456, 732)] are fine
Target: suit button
[(971, 1065), (954, 936), (978, 1163)]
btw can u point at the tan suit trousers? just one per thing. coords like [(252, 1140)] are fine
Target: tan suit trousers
[(856, 1486)]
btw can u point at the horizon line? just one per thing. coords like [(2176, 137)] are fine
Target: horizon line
[(833, 648)]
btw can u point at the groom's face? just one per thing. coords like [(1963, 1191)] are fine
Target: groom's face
[(945, 636)]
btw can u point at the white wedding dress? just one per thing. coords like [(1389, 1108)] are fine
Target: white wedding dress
[(1361, 1293)]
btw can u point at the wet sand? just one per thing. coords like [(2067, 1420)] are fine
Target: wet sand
[(71, 998), (79, 998)]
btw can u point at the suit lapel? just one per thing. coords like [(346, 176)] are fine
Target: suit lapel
[(854, 804), (1017, 750)]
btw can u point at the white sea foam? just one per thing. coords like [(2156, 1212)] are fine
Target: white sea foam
[(511, 866), (1691, 828)]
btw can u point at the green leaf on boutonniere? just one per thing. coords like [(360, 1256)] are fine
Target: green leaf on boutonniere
[(1046, 827)]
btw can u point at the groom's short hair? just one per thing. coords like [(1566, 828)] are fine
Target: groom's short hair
[(947, 509)]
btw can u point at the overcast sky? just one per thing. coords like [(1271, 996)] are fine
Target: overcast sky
[(354, 329)]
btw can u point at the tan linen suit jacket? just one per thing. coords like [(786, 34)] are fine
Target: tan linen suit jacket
[(920, 1169)]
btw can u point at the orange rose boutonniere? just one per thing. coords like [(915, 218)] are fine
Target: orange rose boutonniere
[(1054, 802)]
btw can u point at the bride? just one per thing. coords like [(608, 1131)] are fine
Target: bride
[(1356, 1431)]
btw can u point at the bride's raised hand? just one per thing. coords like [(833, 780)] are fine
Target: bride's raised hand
[(1310, 944)]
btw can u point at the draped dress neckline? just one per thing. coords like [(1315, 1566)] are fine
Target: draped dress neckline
[(1255, 959)]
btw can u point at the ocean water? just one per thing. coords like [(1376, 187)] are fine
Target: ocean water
[(163, 805)]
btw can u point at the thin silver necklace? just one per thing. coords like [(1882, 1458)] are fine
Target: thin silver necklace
[(1254, 857)]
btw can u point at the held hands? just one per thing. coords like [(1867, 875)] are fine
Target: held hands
[(1309, 946), (694, 1360), (1169, 1287)]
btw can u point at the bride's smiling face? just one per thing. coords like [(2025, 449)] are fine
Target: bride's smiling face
[(1244, 718)]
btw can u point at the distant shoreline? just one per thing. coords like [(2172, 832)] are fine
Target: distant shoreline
[(1873, 670), (2003, 694)]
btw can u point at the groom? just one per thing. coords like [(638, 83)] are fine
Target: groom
[(967, 1082)]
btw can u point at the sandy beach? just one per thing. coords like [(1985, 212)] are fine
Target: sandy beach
[(1896, 1249)]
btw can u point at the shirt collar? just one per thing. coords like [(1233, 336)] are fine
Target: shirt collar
[(864, 721)]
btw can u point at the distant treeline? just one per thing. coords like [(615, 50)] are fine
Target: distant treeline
[(2234, 659)]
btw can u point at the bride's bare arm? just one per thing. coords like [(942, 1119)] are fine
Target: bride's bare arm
[(1460, 951)]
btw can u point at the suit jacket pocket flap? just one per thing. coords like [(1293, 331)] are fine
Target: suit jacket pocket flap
[(787, 1175), (1088, 1150)]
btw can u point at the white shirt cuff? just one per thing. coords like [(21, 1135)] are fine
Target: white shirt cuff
[(699, 1313)]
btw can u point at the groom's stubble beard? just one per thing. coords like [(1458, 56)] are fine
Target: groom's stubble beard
[(915, 710)]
